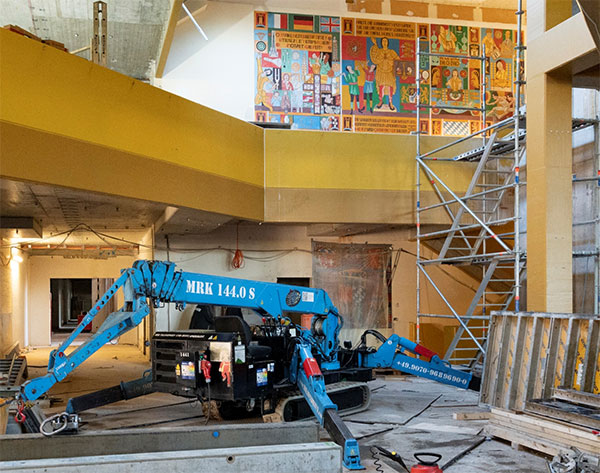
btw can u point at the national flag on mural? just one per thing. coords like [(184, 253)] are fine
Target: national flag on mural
[(278, 21), (304, 23), (355, 48), (329, 24)]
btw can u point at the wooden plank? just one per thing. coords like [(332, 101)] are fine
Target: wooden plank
[(531, 353), (562, 410), (549, 371), (501, 374), (491, 360), (551, 430), (23, 32), (591, 356), (517, 362), (547, 435), (481, 415), (543, 446), (534, 361), (568, 371), (541, 422), (578, 397), (3, 416)]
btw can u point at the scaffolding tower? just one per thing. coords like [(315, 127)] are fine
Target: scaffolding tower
[(482, 234)]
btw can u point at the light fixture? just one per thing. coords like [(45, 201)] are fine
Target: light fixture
[(15, 256)]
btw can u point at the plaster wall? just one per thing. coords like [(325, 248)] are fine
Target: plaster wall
[(290, 245)]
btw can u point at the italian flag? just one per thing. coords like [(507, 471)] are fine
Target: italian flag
[(279, 21)]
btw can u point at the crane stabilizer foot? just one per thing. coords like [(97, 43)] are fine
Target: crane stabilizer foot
[(341, 435)]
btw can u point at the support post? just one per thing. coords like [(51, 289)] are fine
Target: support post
[(549, 165)]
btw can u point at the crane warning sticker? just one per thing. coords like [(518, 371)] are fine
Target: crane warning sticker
[(187, 370), (262, 377), (308, 296)]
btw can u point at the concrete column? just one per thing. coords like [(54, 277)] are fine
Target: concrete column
[(549, 167), (6, 301)]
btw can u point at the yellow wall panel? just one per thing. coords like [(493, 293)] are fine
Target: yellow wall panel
[(321, 160)]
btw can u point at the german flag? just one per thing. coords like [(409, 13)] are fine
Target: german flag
[(303, 23)]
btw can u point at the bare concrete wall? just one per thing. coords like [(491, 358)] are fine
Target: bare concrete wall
[(293, 245)]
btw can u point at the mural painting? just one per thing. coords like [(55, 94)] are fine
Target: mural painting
[(357, 74), (298, 70)]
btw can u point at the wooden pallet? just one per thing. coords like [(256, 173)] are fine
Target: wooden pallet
[(530, 353), (565, 411), (577, 397), (541, 434)]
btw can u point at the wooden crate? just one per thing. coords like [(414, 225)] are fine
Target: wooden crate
[(530, 353)]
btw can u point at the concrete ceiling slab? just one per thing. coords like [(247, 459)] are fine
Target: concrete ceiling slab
[(59, 209)]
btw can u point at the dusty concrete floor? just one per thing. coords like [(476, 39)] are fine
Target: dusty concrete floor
[(406, 414)]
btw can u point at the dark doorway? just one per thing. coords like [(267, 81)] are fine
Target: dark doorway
[(70, 298)]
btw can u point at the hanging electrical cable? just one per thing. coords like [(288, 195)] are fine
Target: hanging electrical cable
[(238, 258)]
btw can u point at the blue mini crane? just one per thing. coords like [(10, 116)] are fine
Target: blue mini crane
[(284, 355)]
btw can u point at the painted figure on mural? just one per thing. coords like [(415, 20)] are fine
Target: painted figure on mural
[(447, 39), (507, 46), (315, 64), (502, 105), (455, 83), (384, 58), (287, 87), (436, 77), (475, 79), (369, 87), (262, 80), (321, 65), (501, 78), (490, 45), (351, 78)]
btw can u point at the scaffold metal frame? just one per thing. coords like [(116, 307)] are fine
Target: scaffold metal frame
[(471, 237)]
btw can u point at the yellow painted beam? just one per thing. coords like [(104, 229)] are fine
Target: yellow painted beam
[(559, 46), (142, 137), (168, 37), (46, 89)]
